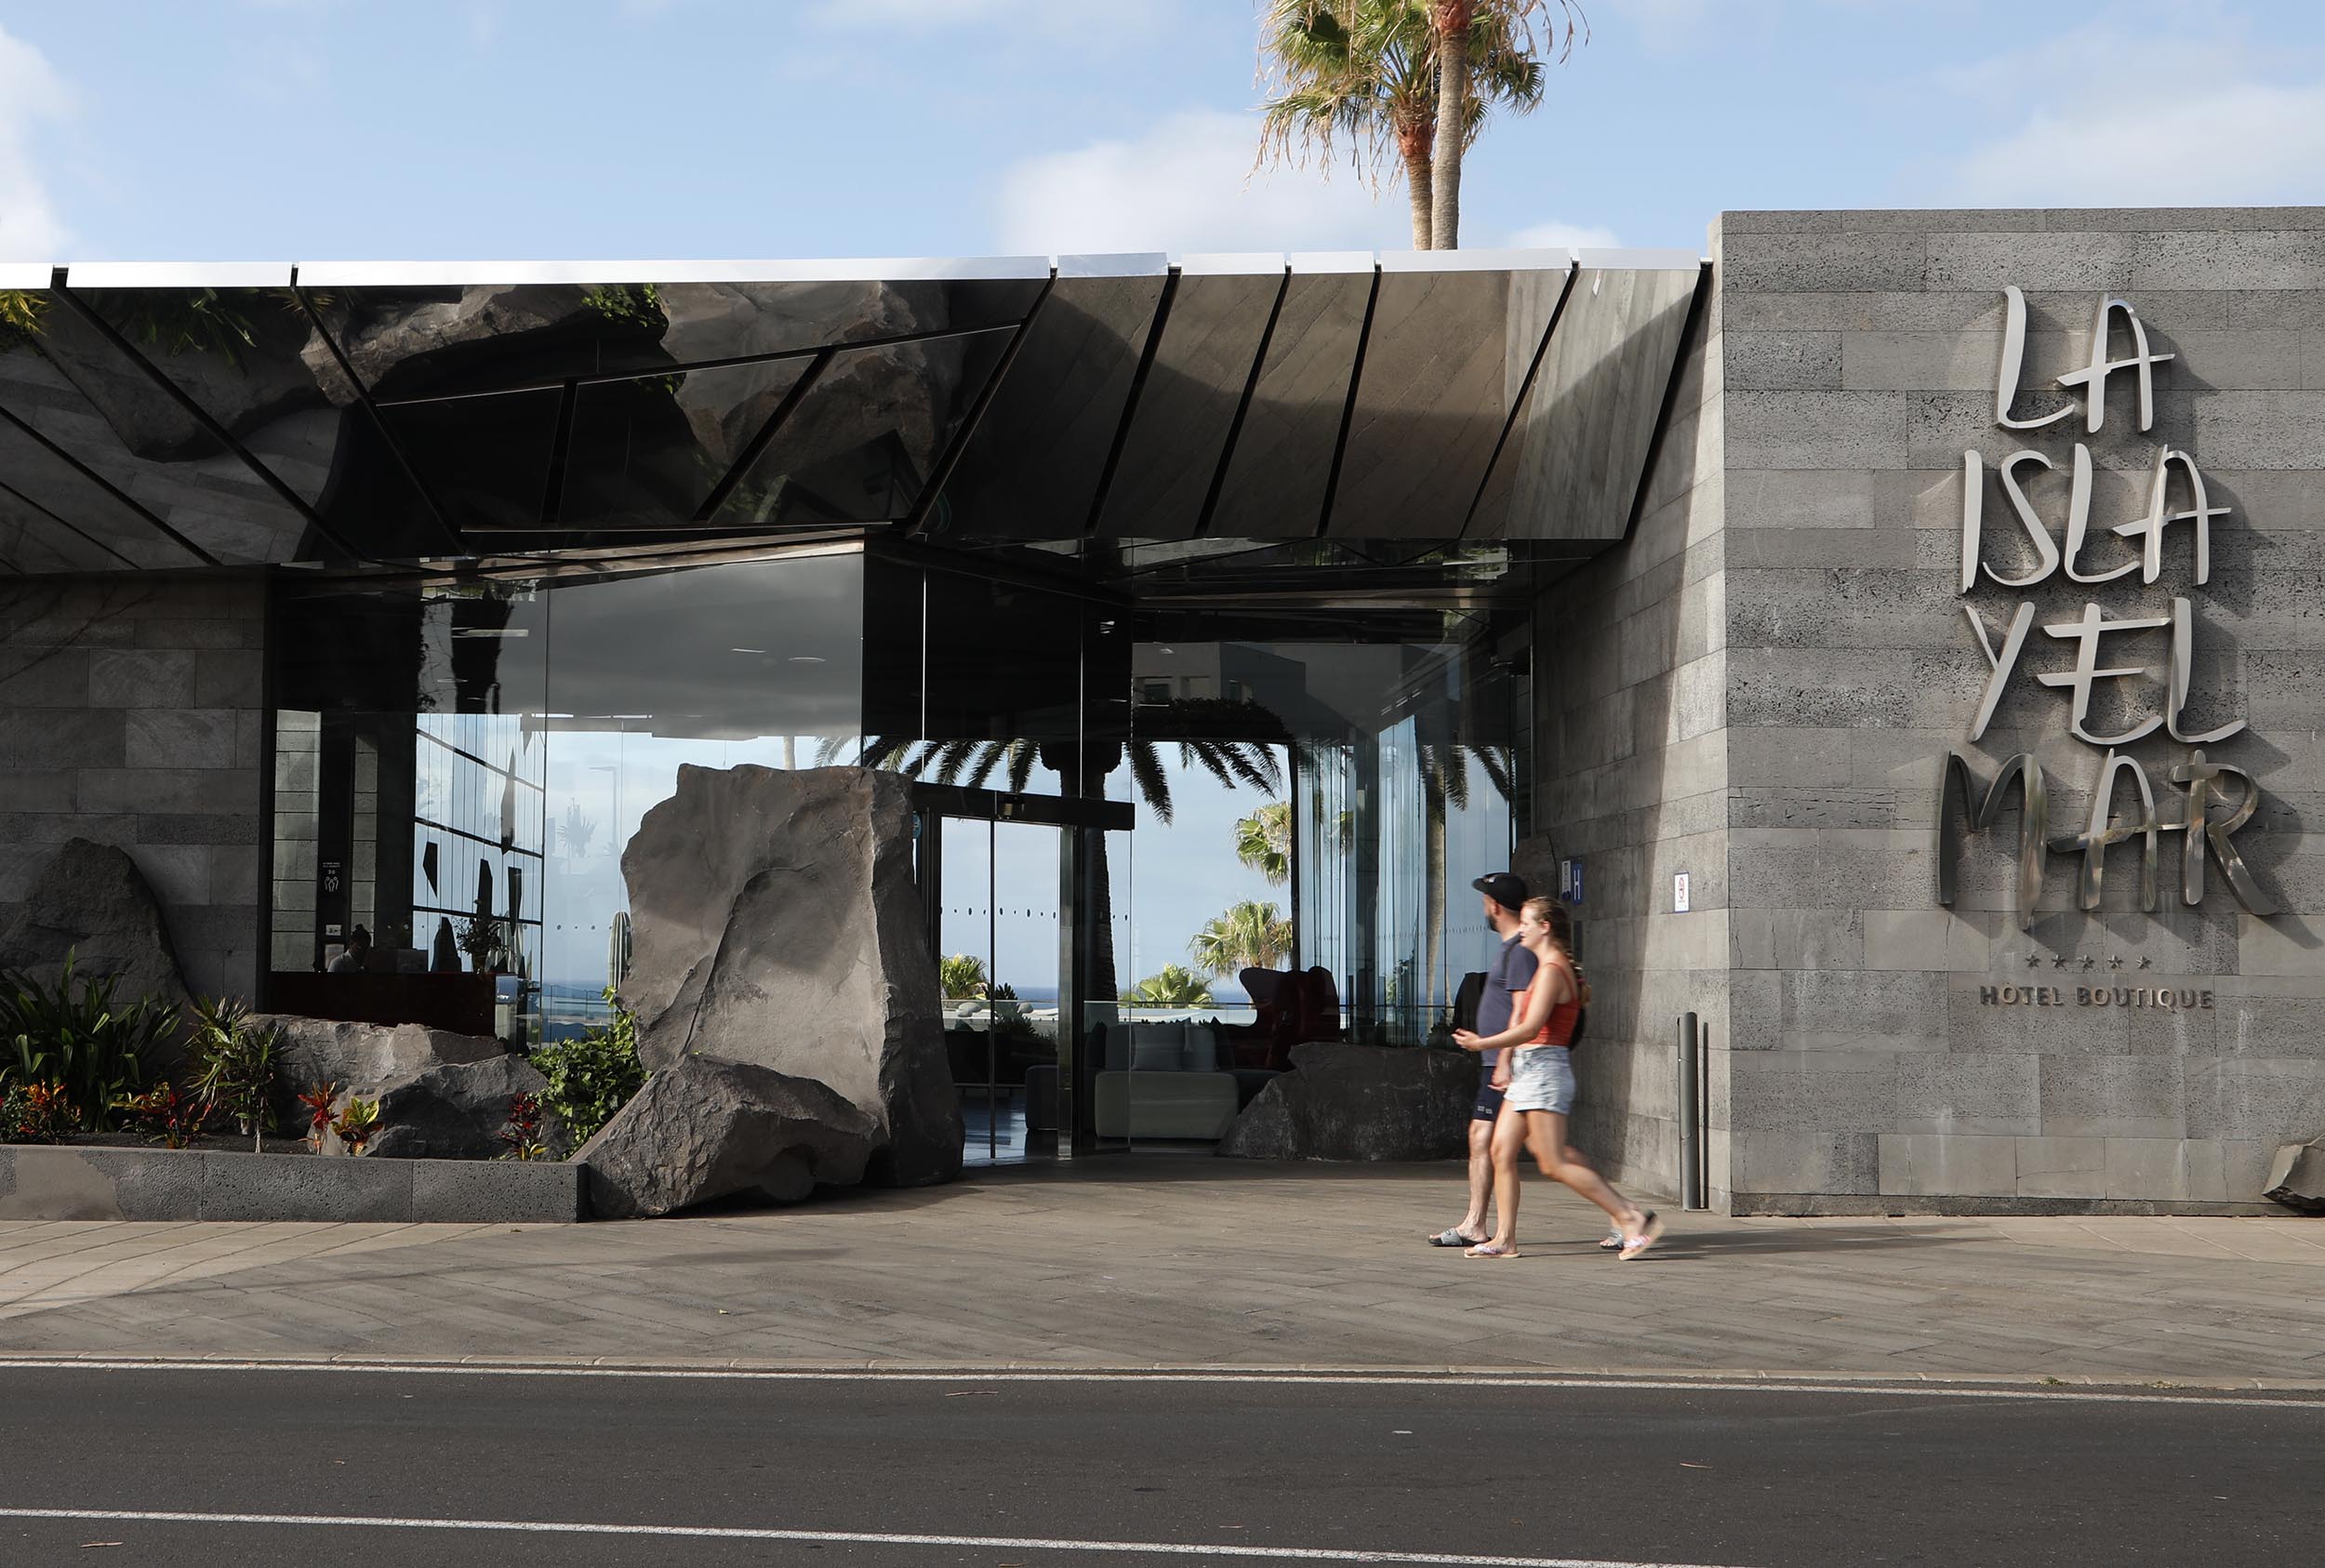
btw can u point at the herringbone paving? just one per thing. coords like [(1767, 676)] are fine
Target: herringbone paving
[(1161, 1261)]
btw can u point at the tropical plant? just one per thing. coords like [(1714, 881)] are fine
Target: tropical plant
[(963, 977), (19, 315), (1249, 936), (37, 1113), (1263, 842), (1461, 74), (1175, 986), (318, 1098), (1369, 75), (72, 1033), (357, 1121), (576, 832), (592, 1075), (166, 1114), (235, 1064), (522, 1132)]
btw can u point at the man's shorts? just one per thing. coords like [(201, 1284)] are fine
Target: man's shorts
[(1543, 1080), (1489, 1101)]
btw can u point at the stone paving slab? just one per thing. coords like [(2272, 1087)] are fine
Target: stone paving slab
[(1188, 1262)]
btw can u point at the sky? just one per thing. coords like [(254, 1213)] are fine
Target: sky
[(519, 129)]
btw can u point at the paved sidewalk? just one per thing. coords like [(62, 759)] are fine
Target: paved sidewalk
[(1193, 1262)]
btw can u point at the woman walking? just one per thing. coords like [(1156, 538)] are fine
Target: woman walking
[(1541, 1091)]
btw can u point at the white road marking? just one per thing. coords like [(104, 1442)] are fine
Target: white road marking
[(2298, 1398), (832, 1537)]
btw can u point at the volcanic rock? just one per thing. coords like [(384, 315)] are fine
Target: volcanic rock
[(703, 1129), (1360, 1102), (94, 904), (775, 922)]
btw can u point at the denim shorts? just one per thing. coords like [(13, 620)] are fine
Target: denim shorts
[(1542, 1080)]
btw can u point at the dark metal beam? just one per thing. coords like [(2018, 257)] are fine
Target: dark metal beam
[(1518, 404), (1243, 409), (378, 424), (1348, 409), (1130, 402), (934, 489), (115, 491)]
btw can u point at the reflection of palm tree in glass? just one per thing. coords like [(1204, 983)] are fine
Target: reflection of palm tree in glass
[(963, 977), (1250, 936), (975, 763), (1445, 785)]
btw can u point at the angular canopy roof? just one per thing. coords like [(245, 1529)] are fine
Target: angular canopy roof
[(187, 417)]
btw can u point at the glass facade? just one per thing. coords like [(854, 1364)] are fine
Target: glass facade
[(1159, 844)]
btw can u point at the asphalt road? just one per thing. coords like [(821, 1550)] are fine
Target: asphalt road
[(1126, 1474)]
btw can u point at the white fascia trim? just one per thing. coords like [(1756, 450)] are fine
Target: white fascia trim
[(452, 274), (1128, 264), (178, 274), (1233, 263), (1551, 260), (25, 274), (1640, 260), (1333, 260)]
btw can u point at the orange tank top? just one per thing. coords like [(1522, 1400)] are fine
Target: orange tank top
[(1558, 1027)]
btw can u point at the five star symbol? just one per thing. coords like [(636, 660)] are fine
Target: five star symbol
[(2034, 960), (2145, 962), (2059, 962), (2114, 964), (2089, 963)]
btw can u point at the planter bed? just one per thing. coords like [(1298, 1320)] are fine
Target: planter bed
[(98, 1181)]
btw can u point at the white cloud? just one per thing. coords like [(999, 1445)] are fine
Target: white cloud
[(1188, 185), (1564, 236), (30, 92), (2102, 117)]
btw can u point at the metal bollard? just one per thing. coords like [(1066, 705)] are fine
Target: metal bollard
[(1689, 1067)]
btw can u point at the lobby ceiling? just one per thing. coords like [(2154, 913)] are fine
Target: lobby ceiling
[(344, 416)]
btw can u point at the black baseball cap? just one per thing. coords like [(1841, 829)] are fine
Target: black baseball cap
[(1506, 888)]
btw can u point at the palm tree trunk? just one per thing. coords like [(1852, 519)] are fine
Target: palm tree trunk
[(1452, 19), (1420, 187)]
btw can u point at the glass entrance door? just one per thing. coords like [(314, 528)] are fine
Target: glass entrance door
[(998, 942)]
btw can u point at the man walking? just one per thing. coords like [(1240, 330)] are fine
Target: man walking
[(1511, 972)]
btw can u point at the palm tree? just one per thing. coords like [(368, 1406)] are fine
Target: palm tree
[(1463, 77), (1370, 70), (963, 977), (1250, 936), (1175, 987), (1263, 842)]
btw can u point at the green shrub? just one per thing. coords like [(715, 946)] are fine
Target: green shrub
[(74, 1035), (235, 1064), (592, 1075)]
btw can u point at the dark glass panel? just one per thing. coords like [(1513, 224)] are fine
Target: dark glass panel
[(648, 451), (65, 379), (861, 445), (1573, 464), (458, 339), (1031, 469), (485, 460), (1188, 404), (41, 485), (251, 360), (1283, 459), (1443, 366)]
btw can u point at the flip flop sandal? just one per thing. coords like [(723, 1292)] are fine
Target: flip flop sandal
[(1454, 1238), (1490, 1249), (1611, 1242), (1649, 1234)]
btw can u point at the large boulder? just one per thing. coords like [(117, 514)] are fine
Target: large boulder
[(366, 1059), (703, 1129), (1360, 1102), (2296, 1177), (773, 922), (455, 1111), (94, 904)]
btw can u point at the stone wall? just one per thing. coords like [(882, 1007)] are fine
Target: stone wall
[(130, 714), (1632, 779), (1877, 1061)]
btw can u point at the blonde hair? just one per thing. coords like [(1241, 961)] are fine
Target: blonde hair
[(1561, 921)]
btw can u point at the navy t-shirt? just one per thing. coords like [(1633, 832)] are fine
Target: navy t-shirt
[(1511, 972)]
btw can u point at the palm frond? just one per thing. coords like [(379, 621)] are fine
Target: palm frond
[(1154, 784)]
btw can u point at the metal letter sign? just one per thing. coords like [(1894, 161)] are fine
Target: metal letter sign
[(2207, 822)]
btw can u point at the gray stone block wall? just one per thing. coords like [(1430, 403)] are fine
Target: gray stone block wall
[(1858, 363), (131, 712), (1632, 779)]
